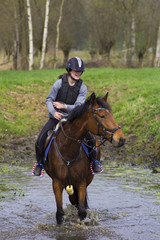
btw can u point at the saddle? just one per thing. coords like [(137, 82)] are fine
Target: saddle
[(50, 135)]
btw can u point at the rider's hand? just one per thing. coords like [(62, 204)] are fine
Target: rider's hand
[(59, 105), (58, 115)]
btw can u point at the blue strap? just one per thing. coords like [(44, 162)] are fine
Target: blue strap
[(97, 109), (40, 164), (48, 147), (85, 149)]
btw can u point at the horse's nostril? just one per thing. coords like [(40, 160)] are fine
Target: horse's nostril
[(121, 141)]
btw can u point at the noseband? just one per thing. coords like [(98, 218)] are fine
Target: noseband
[(100, 125)]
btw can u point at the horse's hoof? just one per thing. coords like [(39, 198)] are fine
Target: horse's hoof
[(60, 221), (82, 215), (59, 218)]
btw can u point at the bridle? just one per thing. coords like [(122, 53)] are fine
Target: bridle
[(100, 125)]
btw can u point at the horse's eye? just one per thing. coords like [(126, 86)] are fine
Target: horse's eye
[(102, 116)]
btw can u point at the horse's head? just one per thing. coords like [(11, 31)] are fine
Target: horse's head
[(101, 121)]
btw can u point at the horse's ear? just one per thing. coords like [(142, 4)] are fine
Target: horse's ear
[(92, 98), (105, 97)]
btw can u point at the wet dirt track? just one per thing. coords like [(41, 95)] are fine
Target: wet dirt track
[(122, 206)]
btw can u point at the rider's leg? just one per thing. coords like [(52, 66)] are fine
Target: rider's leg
[(91, 141), (39, 145)]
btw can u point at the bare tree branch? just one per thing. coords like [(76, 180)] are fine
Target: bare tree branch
[(30, 35), (45, 33), (57, 39), (157, 57)]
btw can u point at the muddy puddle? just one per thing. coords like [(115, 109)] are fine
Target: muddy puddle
[(124, 204)]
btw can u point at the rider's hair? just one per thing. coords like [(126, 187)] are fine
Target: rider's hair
[(60, 76)]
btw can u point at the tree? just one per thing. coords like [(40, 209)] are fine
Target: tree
[(103, 27), (96, 25), (66, 44), (147, 13), (7, 28), (157, 57), (127, 10), (23, 35), (16, 41), (133, 39), (30, 34), (45, 33), (57, 39), (73, 31)]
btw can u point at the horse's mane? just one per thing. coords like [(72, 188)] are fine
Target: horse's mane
[(79, 110)]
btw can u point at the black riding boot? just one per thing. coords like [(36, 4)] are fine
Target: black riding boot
[(40, 143), (95, 165), (39, 157)]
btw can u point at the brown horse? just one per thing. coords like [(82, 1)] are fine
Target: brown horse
[(68, 164)]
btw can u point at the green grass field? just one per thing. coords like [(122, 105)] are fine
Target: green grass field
[(134, 95)]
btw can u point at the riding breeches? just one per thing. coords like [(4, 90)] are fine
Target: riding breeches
[(39, 145), (91, 142)]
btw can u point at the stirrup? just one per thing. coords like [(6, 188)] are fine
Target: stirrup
[(99, 164), (38, 164)]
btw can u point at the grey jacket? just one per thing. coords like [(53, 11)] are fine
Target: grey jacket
[(53, 93)]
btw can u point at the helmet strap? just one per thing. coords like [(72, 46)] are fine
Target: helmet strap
[(72, 77)]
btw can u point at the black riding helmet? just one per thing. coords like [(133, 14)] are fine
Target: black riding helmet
[(75, 64)]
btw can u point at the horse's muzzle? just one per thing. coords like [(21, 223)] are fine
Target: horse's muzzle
[(119, 143)]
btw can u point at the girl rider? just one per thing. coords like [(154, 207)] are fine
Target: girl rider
[(66, 93)]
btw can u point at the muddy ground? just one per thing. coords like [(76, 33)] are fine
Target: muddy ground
[(21, 151)]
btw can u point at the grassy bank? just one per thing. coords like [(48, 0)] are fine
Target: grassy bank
[(133, 94)]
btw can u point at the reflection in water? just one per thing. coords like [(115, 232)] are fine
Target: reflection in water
[(117, 209)]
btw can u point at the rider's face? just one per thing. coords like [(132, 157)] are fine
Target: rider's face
[(76, 75)]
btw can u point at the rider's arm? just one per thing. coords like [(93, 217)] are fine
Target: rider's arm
[(80, 99), (52, 96)]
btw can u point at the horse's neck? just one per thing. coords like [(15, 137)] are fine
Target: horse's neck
[(76, 129), (67, 139)]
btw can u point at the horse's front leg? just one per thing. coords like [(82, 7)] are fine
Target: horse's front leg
[(58, 189), (82, 201)]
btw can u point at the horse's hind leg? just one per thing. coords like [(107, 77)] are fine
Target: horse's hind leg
[(86, 202), (74, 198), (58, 189)]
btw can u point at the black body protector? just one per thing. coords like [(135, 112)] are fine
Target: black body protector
[(68, 94)]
